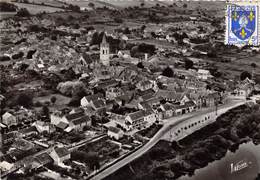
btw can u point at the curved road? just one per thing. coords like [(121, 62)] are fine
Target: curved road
[(171, 122)]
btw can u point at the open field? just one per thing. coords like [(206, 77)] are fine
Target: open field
[(55, 3), (4, 15), (85, 4), (60, 102), (35, 9), (235, 67)]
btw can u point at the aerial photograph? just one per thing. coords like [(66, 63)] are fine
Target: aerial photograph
[(129, 90)]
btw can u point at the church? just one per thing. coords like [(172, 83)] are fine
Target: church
[(104, 51)]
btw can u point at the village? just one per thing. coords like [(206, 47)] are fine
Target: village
[(76, 99)]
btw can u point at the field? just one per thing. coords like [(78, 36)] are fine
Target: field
[(35, 9), (60, 102), (4, 15), (55, 3), (235, 67), (85, 4)]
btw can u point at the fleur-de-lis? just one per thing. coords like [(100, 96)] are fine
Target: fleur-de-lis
[(243, 33), (251, 16), (235, 16)]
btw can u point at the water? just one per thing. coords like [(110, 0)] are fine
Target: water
[(244, 164)]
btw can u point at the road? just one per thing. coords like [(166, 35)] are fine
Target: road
[(170, 123), (20, 163)]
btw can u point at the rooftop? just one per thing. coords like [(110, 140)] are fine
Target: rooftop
[(61, 152)]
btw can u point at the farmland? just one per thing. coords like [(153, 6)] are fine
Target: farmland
[(35, 8)]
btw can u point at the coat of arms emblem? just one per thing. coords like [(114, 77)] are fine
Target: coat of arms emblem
[(242, 27)]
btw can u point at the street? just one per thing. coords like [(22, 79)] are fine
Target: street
[(169, 124)]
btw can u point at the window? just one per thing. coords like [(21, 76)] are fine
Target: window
[(103, 51)]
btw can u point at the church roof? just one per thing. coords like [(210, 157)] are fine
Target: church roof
[(104, 39)]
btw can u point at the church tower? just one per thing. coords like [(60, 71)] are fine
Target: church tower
[(104, 51)]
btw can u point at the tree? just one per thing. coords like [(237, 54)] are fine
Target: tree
[(95, 38), (23, 12), (45, 111), (118, 20), (143, 27), (126, 31), (140, 65), (70, 17), (18, 55), (53, 99), (92, 5), (188, 64), (245, 75), (168, 72), (253, 65), (7, 7), (24, 100), (185, 5), (69, 88)]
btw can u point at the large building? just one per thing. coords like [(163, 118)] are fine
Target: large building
[(104, 51)]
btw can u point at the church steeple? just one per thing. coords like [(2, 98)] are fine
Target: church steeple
[(104, 51), (104, 39)]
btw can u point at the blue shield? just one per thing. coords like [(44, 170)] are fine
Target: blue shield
[(243, 21)]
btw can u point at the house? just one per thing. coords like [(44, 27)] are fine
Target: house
[(115, 133), (9, 137), (5, 166), (62, 126), (203, 74), (42, 126), (98, 105), (135, 120), (168, 110), (113, 92), (8, 119), (145, 85), (244, 88), (41, 160), (124, 53), (59, 155), (56, 117), (86, 100), (149, 117), (80, 123), (211, 99), (190, 106), (28, 131), (76, 121)]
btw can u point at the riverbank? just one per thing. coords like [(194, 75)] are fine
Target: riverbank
[(173, 160)]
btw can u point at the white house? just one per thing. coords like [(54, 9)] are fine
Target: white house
[(115, 133), (145, 85), (124, 53), (135, 120), (203, 74), (59, 155), (87, 100), (44, 127), (150, 117), (8, 119)]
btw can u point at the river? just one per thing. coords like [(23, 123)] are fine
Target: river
[(244, 164)]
